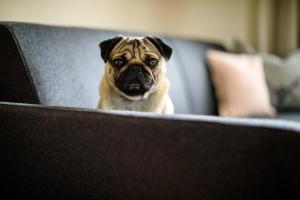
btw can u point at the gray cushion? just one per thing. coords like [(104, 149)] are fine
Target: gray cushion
[(65, 67), (283, 78)]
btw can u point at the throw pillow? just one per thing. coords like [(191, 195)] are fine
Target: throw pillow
[(283, 79), (240, 85)]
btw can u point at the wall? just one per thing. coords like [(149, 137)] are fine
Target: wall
[(217, 20)]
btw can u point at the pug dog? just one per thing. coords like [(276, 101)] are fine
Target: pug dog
[(135, 75)]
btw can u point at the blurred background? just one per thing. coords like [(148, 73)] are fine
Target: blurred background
[(267, 25)]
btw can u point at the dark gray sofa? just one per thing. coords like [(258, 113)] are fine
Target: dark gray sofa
[(56, 145)]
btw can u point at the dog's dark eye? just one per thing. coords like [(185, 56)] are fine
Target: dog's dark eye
[(153, 62), (118, 63)]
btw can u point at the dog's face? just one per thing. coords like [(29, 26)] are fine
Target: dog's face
[(134, 65)]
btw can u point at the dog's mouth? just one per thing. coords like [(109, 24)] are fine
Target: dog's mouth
[(135, 82), (134, 86)]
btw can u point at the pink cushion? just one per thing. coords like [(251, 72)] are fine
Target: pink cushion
[(240, 85)]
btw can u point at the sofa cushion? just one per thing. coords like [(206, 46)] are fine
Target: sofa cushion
[(240, 85)]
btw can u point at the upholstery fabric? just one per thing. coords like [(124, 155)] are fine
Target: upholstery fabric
[(240, 85), (194, 76), (64, 153), (66, 67), (65, 64)]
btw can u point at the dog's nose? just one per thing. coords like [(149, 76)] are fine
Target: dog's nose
[(136, 68)]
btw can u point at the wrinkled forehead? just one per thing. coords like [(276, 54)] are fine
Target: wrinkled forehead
[(135, 45)]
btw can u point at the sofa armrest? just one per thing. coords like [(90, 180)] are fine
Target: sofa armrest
[(63, 153)]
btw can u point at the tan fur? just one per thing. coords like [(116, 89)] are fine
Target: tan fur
[(155, 100)]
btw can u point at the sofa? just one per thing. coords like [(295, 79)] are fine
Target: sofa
[(55, 144)]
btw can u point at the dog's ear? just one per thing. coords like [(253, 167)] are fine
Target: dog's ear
[(163, 48), (107, 46)]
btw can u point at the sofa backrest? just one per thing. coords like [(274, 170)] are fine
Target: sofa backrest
[(61, 66)]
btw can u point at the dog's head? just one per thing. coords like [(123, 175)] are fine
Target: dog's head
[(134, 65)]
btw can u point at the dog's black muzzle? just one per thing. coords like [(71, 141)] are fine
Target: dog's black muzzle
[(135, 80)]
